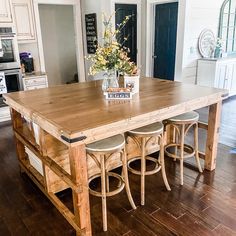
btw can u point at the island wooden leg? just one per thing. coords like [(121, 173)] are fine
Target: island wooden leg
[(212, 135), (78, 166), (18, 123)]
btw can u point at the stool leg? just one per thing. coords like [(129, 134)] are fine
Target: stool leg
[(107, 182), (162, 161), (103, 187), (182, 154), (175, 141), (143, 169), (196, 147), (126, 179)]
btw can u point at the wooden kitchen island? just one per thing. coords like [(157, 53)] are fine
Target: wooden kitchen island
[(55, 124)]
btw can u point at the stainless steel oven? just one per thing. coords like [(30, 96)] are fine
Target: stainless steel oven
[(9, 54), (10, 73), (10, 81)]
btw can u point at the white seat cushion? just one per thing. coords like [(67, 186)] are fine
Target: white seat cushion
[(151, 129), (188, 117), (108, 144)]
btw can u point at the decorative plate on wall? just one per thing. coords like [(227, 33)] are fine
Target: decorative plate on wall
[(206, 43)]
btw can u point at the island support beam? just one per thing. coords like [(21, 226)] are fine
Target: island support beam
[(212, 135), (17, 123), (78, 167)]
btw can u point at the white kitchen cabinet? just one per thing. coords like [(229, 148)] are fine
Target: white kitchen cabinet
[(35, 81), (5, 11), (218, 73), (23, 14)]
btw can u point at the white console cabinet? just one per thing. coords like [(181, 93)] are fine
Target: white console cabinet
[(35, 81), (218, 73)]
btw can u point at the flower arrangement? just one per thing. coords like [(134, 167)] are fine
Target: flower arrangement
[(110, 54)]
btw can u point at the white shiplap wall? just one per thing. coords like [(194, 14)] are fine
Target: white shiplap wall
[(200, 14)]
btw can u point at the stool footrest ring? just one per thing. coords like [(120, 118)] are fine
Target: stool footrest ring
[(149, 172), (110, 193), (187, 148)]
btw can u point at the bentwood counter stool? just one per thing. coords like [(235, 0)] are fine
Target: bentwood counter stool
[(101, 152), (141, 137), (180, 126)]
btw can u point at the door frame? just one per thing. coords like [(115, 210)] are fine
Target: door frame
[(150, 24), (78, 33), (139, 35)]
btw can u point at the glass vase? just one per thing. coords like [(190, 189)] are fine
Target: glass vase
[(218, 52), (110, 80)]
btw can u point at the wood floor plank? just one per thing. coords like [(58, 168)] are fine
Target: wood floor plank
[(225, 231), (222, 216), (173, 224)]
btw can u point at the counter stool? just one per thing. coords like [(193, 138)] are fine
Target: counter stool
[(101, 152), (141, 137), (181, 125)]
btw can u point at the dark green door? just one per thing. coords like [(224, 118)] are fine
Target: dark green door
[(165, 40), (130, 29)]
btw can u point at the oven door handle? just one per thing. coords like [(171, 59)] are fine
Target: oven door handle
[(12, 72)]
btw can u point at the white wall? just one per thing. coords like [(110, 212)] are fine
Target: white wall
[(57, 28), (200, 14)]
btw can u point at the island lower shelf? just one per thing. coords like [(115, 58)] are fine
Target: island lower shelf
[(47, 159)]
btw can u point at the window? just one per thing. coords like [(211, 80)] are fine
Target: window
[(227, 26)]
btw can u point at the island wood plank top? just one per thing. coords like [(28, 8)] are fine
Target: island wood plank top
[(79, 112)]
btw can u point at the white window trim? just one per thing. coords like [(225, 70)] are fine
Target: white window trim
[(78, 34), (138, 3), (150, 27)]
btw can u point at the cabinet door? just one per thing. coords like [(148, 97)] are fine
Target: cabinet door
[(35, 83), (23, 15), (233, 79), (220, 75), (229, 76), (5, 11)]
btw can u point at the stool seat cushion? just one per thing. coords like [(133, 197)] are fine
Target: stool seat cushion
[(107, 145), (186, 117), (151, 129)]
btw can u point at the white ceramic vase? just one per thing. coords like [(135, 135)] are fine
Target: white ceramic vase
[(132, 81)]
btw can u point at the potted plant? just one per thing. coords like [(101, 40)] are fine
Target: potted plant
[(111, 57)]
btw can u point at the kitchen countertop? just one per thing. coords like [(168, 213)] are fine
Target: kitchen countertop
[(33, 74)]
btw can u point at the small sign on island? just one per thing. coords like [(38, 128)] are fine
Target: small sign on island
[(91, 32), (118, 93)]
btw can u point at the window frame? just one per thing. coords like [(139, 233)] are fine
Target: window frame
[(232, 49)]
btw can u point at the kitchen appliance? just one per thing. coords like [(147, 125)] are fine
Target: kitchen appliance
[(11, 81), (10, 73), (9, 54), (27, 61)]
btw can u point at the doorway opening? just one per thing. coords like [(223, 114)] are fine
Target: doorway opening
[(165, 36), (59, 46)]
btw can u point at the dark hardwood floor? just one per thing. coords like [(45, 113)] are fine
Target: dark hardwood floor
[(205, 205)]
